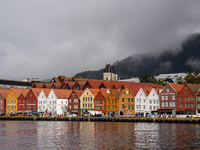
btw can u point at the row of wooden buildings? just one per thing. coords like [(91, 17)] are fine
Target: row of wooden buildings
[(80, 96)]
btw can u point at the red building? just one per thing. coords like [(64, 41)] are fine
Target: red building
[(168, 97), (187, 102), (74, 102), (3, 94), (28, 103), (100, 101)]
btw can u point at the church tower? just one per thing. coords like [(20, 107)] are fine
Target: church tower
[(109, 73)]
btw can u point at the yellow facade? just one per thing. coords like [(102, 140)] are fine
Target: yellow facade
[(127, 103), (87, 100), (11, 103), (112, 104)]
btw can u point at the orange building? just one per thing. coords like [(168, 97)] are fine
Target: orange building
[(112, 103)]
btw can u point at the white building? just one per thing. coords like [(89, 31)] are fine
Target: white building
[(146, 100), (173, 76), (42, 100)]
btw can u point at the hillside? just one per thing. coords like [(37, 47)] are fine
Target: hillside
[(186, 60)]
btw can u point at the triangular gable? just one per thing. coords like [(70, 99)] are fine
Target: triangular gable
[(36, 91), (37, 85), (62, 93), (4, 92)]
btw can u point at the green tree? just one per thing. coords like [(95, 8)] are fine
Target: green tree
[(190, 79)]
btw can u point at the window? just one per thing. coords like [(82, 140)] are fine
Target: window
[(83, 106), (166, 97), (70, 100), (166, 104), (75, 106), (11, 95), (61, 107), (7, 101), (150, 101), (181, 99), (192, 98), (188, 98), (95, 102), (154, 101), (122, 106), (181, 105), (103, 107), (24, 107), (131, 100), (12, 101), (144, 100), (167, 89), (128, 99), (170, 104), (157, 101), (150, 107), (163, 104), (186, 92), (108, 107), (128, 106), (186, 105), (111, 107), (7, 107), (122, 99), (19, 107), (75, 100), (131, 106), (83, 98), (103, 102), (173, 97), (108, 101), (185, 98), (34, 101), (111, 100), (34, 106), (23, 101), (70, 107), (143, 106), (61, 102), (19, 101), (136, 106), (86, 105), (199, 105), (115, 101), (163, 97), (154, 107), (189, 106), (96, 107)]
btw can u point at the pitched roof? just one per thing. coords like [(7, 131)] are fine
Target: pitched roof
[(46, 92), (57, 85), (4, 92), (79, 93), (37, 85), (134, 89), (177, 87), (104, 93), (48, 85), (37, 91), (194, 87), (19, 91), (62, 93), (116, 93), (94, 91)]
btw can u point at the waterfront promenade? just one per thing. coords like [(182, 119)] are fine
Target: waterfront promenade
[(105, 119)]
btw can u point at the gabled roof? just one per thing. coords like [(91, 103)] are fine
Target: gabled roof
[(116, 93), (146, 91), (104, 93), (48, 85), (57, 85), (80, 83), (95, 84), (62, 93), (194, 87), (56, 80), (37, 85), (18, 91), (134, 89), (37, 91), (78, 93), (4, 92), (176, 87), (46, 92), (94, 92)]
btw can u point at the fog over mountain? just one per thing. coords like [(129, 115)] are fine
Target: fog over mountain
[(45, 39), (187, 59)]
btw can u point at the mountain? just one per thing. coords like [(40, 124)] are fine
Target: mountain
[(185, 60)]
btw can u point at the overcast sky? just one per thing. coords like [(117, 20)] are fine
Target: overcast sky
[(47, 38)]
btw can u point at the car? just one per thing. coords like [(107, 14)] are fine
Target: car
[(72, 115)]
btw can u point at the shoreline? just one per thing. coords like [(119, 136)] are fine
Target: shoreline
[(104, 119)]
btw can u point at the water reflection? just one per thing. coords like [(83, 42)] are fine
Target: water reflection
[(97, 135)]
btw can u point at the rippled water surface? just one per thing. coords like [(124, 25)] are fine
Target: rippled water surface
[(97, 135)]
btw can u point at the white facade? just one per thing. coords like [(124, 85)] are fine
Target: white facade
[(42, 102), (173, 76), (146, 101)]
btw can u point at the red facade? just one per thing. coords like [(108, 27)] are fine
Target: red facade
[(187, 99), (27, 103), (74, 102), (2, 104), (100, 101), (169, 96)]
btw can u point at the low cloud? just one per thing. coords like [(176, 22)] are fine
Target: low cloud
[(193, 63)]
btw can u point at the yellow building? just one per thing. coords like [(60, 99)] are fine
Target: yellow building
[(12, 100), (127, 101), (112, 104), (87, 100)]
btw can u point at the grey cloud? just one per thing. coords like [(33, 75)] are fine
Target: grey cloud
[(194, 63), (50, 38)]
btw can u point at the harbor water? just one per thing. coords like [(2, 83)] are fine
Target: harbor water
[(97, 135)]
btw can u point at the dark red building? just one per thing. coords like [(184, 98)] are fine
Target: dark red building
[(74, 102), (3, 94), (187, 102)]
